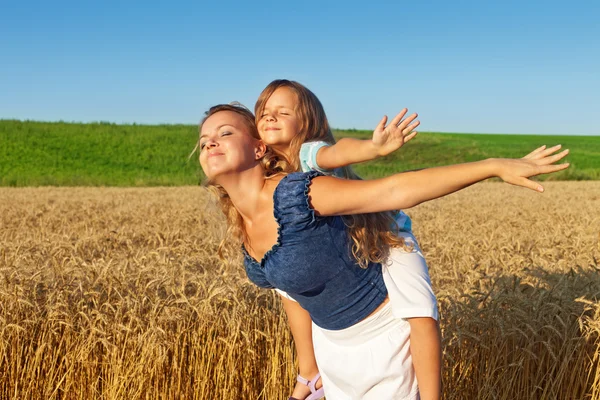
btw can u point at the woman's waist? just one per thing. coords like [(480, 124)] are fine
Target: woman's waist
[(381, 320), (339, 307)]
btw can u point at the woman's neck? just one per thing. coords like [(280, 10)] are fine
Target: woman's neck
[(244, 190)]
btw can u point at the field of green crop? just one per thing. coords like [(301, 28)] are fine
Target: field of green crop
[(97, 154), (435, 149), (105, 154)]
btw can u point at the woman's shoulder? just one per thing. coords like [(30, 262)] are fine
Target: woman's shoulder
[(296, 181), (291, 191)]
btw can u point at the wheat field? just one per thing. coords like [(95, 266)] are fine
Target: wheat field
[(112, 293)]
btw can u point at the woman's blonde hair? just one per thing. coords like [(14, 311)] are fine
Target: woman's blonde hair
[(372, 234)]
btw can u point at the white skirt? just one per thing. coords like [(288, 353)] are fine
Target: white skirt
[(369, 360), (406, 278)]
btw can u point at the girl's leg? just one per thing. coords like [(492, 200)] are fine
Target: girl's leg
[(426, 352), (407, 279), (301, 327)]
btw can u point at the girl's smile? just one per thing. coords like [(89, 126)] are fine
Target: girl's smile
[(278, 123)]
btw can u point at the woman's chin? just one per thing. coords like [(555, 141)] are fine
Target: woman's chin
[(210, 174), (212, 170)]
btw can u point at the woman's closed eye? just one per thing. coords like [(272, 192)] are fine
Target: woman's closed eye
[(224, 133)]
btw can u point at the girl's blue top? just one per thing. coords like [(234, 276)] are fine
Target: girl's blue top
[(312, 261)]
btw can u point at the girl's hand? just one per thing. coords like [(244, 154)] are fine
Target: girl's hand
[(539, 161), (387, 139)]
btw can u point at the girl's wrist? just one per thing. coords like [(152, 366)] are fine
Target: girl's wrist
[(373, 149)]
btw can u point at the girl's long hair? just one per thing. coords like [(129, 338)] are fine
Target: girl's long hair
[(372, 234)]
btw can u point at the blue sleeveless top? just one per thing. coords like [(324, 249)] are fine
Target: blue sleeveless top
[(312, 261)]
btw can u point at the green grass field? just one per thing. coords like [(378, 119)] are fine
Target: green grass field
[(105, 154), (435, 149)]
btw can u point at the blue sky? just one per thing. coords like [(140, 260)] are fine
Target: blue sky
[(475, 66)]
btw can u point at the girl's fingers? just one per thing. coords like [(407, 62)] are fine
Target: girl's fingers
[(409, 137), (381, 124), (407, 121), (411, 127), (399, 117), (533, 153)]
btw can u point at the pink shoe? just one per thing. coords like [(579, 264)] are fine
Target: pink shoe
[(315, 393)]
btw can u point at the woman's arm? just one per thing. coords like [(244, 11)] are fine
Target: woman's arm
[(333, 196)]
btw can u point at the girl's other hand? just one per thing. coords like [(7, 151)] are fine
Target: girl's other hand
[(540, 161), (387, 139)]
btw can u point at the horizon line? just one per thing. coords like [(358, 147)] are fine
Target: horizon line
[(102, 122)]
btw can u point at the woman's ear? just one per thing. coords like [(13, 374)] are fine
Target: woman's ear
[(260, 150)]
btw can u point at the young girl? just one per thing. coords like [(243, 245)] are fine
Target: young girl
[(294, 239), (291, 120)]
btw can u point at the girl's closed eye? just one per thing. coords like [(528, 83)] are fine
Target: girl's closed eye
[(225, 133)]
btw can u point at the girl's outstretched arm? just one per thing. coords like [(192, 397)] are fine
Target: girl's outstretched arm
[(386, 139), (333, 196)]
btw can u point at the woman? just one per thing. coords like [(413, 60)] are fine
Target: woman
[(294, 240)]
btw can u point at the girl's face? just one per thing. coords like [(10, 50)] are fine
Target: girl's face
[(226, 146), (279, 123)]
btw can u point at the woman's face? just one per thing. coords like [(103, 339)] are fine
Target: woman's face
[(226, 146)]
